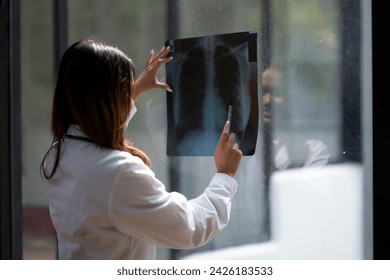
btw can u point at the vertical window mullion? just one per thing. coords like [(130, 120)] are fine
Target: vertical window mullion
[(10, 132)]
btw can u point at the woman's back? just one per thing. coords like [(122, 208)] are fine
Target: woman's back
[(79, 198)]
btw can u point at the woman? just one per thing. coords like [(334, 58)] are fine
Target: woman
[(105, 202)]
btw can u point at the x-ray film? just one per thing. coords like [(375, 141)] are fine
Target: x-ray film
[(207, 74)]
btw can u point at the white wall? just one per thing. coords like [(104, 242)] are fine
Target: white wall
[(316, 213)]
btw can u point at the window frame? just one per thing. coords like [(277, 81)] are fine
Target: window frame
[(10, 124), (10, 132)]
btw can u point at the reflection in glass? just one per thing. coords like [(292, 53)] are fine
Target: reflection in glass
[(288, 150)]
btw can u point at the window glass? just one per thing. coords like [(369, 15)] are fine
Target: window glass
[(136, 28), (301, 82), (36, 90), (304, 77), (249, 221)]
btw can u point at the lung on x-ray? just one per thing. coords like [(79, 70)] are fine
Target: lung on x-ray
[(206, 75)]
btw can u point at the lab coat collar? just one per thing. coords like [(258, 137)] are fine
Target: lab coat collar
[(76, 131)]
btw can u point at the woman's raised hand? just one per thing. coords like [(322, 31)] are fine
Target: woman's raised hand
[(148, 79)]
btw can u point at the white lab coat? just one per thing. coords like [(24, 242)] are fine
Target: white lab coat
[(107, 204)]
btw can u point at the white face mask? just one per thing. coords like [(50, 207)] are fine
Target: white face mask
[(133, 110)]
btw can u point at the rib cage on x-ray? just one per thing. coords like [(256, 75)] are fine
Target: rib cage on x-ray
[(232, 82), (212, 74), (206, 75), (192, 93)]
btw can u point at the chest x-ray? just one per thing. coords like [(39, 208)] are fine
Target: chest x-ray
[(208, 74)]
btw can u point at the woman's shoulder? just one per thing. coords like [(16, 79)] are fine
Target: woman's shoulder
[(108, 163), (120, 158)]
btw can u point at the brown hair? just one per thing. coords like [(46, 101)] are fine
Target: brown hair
[(94, 85)]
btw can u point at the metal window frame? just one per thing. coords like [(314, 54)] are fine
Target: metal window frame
[(10, 132), (60, 31), (173, 31), (350, 67)]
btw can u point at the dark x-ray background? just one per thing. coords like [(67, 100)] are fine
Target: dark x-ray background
[(206, 75)]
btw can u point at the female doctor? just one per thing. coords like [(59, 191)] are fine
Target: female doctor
[(105, 202)]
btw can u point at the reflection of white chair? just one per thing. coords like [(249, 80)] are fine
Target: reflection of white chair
[(316, 213)]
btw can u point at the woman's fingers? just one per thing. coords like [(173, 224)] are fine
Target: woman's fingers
[(225, 133), (161, 56), (155, 61), (165, 60), (163, 86), (150, 58), (163, 52), (226, 137), (227, 154), (230, 140)]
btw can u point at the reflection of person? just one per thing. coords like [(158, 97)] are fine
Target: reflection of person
[(105, 202), (287, 147)]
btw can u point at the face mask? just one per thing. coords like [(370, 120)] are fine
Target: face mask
[(133, 110)]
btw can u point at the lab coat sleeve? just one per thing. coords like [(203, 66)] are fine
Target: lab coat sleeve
[(319, 154), (141, 207)]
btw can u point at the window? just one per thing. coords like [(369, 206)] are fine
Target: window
[(37, 80), (313, 58)]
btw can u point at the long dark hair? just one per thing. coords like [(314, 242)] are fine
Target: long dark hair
[(94, 85)]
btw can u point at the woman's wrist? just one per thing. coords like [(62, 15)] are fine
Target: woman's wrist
[(138, 90)]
